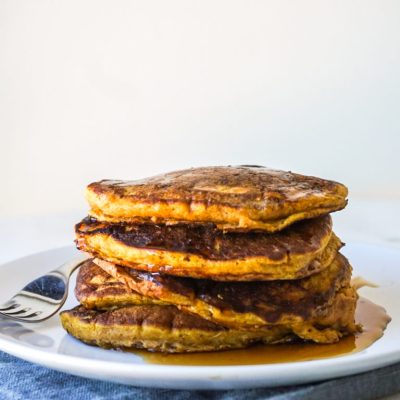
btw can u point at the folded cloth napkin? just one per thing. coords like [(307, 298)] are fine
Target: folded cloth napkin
[(22, 380)]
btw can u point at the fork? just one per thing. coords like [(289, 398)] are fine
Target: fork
[(44, 296)]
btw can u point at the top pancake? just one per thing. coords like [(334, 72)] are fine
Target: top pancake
[(243, 197)]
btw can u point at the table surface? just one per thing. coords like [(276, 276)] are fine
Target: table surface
[(363, 221)]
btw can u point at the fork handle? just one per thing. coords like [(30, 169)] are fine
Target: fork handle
[(69, 267)]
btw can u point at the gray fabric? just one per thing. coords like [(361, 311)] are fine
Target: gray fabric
[(22, 380)]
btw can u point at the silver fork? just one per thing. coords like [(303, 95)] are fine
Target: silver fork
[(43, 297)]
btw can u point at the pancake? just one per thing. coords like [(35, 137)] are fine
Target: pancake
[(239, 305), (167, 329), (97, 289), (160, 328), (243, 197), (203, 251)]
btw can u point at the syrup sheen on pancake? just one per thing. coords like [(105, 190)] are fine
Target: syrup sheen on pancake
[(212, 258), (290, 304), (242, 197), (203, 251)]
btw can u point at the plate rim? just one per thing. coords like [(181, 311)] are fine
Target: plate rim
[(249, 374)]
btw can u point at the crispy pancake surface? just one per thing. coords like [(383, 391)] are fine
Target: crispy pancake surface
[(241, 305), (203, 251), (97, 289), (140, 319), (167, 329), (160, 328), (243, 197)]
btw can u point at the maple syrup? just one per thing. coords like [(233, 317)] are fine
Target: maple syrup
[(372, 317)]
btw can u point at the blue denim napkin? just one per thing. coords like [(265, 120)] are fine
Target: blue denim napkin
[(22, 380)]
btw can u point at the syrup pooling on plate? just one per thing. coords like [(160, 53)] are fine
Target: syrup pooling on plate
[(372, 317)]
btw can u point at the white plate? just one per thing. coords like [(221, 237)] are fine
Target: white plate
[(48, 344)]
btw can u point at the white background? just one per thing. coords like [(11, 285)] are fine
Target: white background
[(125, 89)]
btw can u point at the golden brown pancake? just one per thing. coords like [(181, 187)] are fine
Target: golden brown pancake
[(240, 305), (167, 329), (203, 251), (161, 328), (97, 289), (132, 320), (243, 197)]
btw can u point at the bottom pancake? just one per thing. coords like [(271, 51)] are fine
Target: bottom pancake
[(163, 329), (114, 315), (96, 289), (168, 329)]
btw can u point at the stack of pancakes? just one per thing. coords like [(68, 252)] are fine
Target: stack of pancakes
[(212, 258)]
